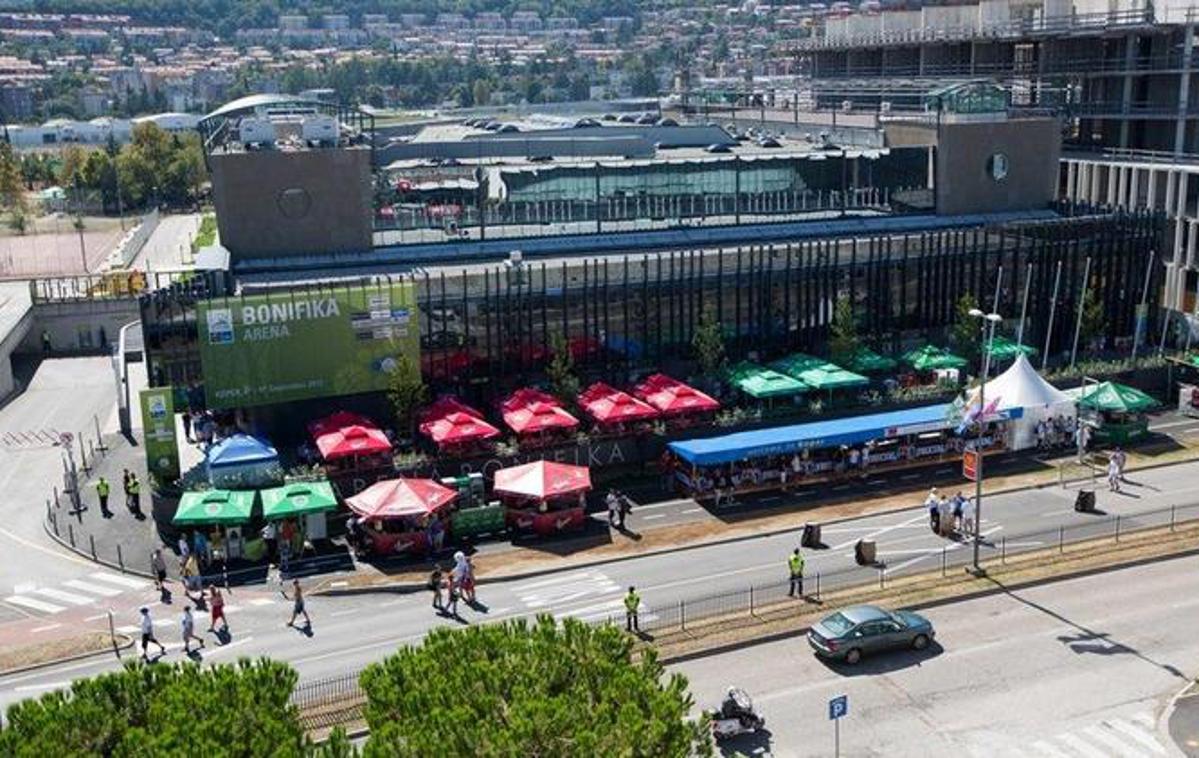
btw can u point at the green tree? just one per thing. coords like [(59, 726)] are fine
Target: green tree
[(843, 339), (1094, 322), (561, 370), (708, 344), (481, 90), (226, 710), (964, 335), (406, 391), (73, 159), (12, 182), (530, 689)]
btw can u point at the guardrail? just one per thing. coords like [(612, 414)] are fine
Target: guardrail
[(324, 701)]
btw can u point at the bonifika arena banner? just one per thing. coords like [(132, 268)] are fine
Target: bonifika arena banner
[(298, 344)]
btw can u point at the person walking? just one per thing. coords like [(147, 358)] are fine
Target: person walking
[(623, 508), (436, 580), (47, 347), (795, 566), (297, 608), (451, 593), (958, 503), (158, 567), (102, 490), (968, 516), (1113, 474), (187, 628), (632, 606), (125, 486), (268, 538), (613, 507), (135, 494), (147, 625), (216, 610), (1121, 459)]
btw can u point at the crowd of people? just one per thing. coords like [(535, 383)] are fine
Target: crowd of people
[(449, 587), (948, 515), (1057, 432)]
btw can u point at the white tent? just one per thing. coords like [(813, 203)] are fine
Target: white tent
[(1022, 387)]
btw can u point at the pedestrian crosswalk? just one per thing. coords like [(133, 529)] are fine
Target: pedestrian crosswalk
[(589, 596), (1132, 736), (73, 593)]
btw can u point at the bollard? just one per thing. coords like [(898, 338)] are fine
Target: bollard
[(56, 505), (682, 616), (49, 512), (112, 634), (1061, 539), (1172, 507), (1117, 528), (751, 600), (120, 558), (91, 538), (71, 534), (817, 586), (882, 578), (944, 552), (1003, 549)]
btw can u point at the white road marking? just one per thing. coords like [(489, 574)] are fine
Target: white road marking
[(1137, 732), (37, 605), (1171, 425), (1079, 745), (1106, 737), (692, 510), (882, 530), (95, 589), (1045, 748), (555, 580), (949, 548), (124, 581), (261, 601), (97, 617), (64, 596), (654, 516), (45, 686), (213, 651), (45, 628)]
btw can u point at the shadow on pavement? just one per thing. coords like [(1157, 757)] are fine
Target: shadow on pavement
[(755, 743), (885, 662)]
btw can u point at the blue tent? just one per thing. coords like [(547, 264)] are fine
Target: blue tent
[(243, 461)]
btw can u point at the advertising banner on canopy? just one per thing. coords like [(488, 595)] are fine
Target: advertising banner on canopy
[(300, 344), (158, 429)]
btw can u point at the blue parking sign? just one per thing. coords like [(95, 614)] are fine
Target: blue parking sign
[(838, 707)]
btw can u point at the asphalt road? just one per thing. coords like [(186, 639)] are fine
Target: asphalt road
[(168, 246), (1079, 669)]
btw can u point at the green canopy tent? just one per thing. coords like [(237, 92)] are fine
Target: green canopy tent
[(1111, 397), (762, 383), (818, 373), (211, 507), (931, 358), (866, 361), (297, 499), (1003, 349)]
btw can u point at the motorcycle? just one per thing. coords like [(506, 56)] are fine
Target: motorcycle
[(736, 716)]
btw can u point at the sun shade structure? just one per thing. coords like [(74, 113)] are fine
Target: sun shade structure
[(392, 498), (339, 420), (818, 373), (542, 479), (243, 461), (1020, 386), (1112, 397), (527, 396), (760, 382), (673, 398), (444, 406), (866, 361), (608, 405), (297, 499), (931, 357), (539, 417), (211, 507), (1003, 349), (458, 428), (352, 440)]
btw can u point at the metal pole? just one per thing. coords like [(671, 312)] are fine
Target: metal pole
[(978, 452), (1024, 305), (1086, 280), (998, 283), (1057, 280), (1172, 507), (836, 738), (1061, 539), (1136, 332), (1117, 528)]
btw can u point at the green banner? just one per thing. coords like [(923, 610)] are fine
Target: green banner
[(299, 344), (158, 431)]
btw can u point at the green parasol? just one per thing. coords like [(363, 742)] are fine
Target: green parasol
[(759, 382), (1003, 349), (931, 357), (866, 361), (297, 499), (1115, 398), (226, 507), (817, 373)]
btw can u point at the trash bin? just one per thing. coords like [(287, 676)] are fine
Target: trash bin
[(811, 535), (865, 552), (1084, 502)]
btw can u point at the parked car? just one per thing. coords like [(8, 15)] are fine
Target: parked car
[(859, 630)]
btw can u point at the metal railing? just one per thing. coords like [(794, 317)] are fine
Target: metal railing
[(344, 691)]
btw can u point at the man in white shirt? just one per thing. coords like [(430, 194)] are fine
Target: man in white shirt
[(187, 627), (147, 625)]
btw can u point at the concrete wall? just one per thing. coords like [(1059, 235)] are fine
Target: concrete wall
[(272, 203), (963, 182), (75, 327)]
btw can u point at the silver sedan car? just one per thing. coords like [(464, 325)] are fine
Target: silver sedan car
[(859, 630)]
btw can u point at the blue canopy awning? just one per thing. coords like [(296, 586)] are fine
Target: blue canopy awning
[(785, 440), (240, 450)]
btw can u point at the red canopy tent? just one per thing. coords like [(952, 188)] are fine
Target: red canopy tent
[(338, 420), (392, 498), (608, 405), (542, 479), (538, 417), (352, 440), (527, 396), (672, 398), (458, 428), (444, 406)]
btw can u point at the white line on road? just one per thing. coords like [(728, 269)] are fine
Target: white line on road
[(1138, 733), (124, 581), (949, 548), (44, 686), (882, 530), (223, 648), (909, 477), (261, 601), (654, 516), (1044, 747), (1122, 748), (63, 596), (563, 579), (97, 617), (95, 589), (33, 603), (1171, 425), (45, 628), (692, 510)]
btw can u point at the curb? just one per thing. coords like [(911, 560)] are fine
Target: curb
[(94, 559), (1163, 721), (404, 588), (127, 644)]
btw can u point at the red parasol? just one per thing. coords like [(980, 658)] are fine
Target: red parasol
[(672, 397), (444, 406), (526, 396), (339, 420), (457, 428), (538, 417), (609, 405), (391, 498), (352, 440), (542, 479)]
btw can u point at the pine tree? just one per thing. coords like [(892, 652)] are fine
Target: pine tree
[(843, 340), (964, 336), (708, 344), (561, 370), (406, 391)]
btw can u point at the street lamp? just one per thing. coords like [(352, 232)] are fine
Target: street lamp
[(986, 337)]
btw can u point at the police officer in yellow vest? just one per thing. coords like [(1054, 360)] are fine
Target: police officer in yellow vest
[(795, 564), (632, 602), (135, 493), (102, 490)]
